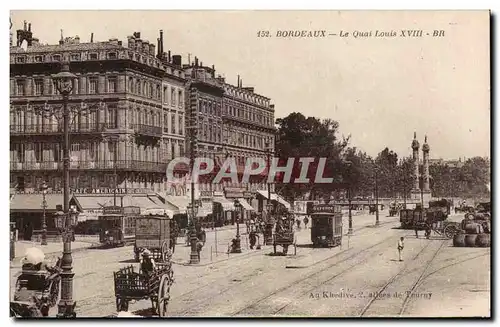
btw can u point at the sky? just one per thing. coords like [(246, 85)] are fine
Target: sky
[(380, 90)]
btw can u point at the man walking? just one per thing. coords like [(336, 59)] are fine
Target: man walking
[(401, 246)]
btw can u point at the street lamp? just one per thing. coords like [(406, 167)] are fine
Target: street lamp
[(349, 165), (44, 219), (66, 309), (237, 246), (193, 212), (268, 153)]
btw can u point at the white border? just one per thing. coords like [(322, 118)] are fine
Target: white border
[(255, 4)]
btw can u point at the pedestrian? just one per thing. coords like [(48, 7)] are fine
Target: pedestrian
[(147, 265), (306, 221), (401, 246)]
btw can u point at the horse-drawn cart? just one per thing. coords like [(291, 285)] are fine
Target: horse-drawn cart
[(130, 285), (284, 235), (153, 232), (423, 220), (36, 291)]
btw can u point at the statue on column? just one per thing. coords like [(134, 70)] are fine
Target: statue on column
[(415, 146)]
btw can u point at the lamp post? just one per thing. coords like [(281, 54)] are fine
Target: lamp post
[(268, 153), (349, 165), (193, 211), (66, 308), (237, 206), (44, 219)]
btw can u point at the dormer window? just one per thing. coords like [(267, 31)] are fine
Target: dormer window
[(75, 57), (20, 60), (38, 58), (112, 55), (93, 56), (56, 57)]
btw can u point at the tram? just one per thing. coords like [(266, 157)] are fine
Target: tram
[(117, 225), (326, 224)]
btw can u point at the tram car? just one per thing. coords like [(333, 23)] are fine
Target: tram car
[(117, 225), (326, 224)]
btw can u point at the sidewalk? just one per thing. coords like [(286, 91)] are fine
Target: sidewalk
[(49, 249)]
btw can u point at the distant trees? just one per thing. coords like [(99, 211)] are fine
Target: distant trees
[(301, 137)]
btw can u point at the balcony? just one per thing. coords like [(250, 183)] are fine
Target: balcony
[(57, 129), (119, 165), (147, 130)]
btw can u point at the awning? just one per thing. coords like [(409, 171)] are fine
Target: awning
[(95, 201), (275, 197), (245, 204), (226, 204), (205, 210), (146, 204), (158, 212), (33, 202), (180, 202)]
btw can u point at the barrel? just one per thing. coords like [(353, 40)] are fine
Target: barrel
[(471, 228), (487, 227), (483, 240), (459, 240), (470, 240)]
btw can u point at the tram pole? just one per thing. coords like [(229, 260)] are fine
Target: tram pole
[(376, 198)]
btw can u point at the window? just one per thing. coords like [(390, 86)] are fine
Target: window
[(20, 152), (158, 92), (75, 147), (165, 123), (173, 150), (165, 94), (173, 124), (75, 57), (56, 58), (172, 98), (111, 84), (138, 87), (38, 58), (130, 84), (93, 56), (181, 150), (112, 121), (38, 152), (20, 87), (180, 99), (112, 55), (181, 125), (92, 85), (20, 60), (38, 87), (56, 152)]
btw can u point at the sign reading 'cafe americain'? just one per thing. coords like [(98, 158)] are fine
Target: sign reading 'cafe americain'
[(236, 193)]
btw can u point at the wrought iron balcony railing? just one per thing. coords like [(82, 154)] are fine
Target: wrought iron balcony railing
[(47, 129), (130, 165), (148, 130)]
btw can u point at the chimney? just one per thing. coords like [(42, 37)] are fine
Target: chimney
[(169, 57), (177, 60), (161, 41), (91, 37), (196, 61), (241, 83), (158, 54), (130, 42), (238, 85), (29, 27)]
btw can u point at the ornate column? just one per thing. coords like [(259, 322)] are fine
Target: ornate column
[(426, 149), (415, 146)]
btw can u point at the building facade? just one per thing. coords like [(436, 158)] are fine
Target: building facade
[(127, 115)]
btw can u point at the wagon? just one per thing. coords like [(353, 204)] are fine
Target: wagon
[(130, 285), (152, 232), (285, 237), (36, 292), (427, 221)]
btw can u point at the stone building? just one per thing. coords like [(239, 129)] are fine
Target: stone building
[(128, 116)]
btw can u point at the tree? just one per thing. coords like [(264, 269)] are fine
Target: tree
[(298, 136), (387, 165)]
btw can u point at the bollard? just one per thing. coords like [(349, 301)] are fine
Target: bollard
[(210, 253), (216, 252)]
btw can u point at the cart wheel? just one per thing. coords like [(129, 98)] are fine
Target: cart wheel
[(450, 231), (163, 296), (164, 251)]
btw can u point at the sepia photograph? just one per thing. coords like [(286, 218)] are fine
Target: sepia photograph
[(250, 164)]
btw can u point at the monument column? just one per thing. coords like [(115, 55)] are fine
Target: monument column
[(426, 149), (415, 146)]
